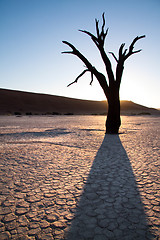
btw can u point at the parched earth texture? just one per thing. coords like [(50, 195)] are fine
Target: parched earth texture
[(63, 178)]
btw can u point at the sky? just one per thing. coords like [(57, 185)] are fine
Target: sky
[(32, 32)]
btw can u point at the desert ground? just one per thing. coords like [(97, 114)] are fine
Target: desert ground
[(63, 178)]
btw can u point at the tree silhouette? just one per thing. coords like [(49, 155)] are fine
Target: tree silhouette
[(110, 88)]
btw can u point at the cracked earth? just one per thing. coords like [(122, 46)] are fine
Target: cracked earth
[(63, 178)]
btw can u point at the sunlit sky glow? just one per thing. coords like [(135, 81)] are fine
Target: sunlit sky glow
[(31, 44)]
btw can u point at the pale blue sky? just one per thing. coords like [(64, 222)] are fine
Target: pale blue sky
[(31, 44)]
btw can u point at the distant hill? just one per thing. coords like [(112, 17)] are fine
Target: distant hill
[(18, 102)]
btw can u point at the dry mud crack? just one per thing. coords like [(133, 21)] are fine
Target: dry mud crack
[(77, 183)]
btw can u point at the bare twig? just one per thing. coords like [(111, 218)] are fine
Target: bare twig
[(80, 75), (95, 40), (71, 46), (97, 28), (91, 78), (103, 22), (114, 56)]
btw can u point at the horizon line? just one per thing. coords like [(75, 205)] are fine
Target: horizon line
[(94, 100)]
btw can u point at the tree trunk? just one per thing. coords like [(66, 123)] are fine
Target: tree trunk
[(113, 121)]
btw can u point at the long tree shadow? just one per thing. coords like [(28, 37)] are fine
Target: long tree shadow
[(110, 206)]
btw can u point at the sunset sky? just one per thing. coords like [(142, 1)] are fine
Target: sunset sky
[(32, 32)]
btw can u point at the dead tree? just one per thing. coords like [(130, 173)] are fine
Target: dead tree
[(112, 86)]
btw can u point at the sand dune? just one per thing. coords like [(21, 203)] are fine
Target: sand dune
[(12, 102)]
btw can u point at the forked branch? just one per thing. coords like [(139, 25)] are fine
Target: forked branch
[(122, 55), (100, 77), (78, 54), (101, 35), (99, 42)]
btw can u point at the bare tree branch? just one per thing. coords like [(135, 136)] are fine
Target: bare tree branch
[(103, 34), (121, 51), (71, 46), (114, 56), (68, 52), (95, 40), (131, 47), (103, 22), (123, 56), (78, 54), (91, 78), (99, 42), (80, 75), (100, 77), (97, 28)]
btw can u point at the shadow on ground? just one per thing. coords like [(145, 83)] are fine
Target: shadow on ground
[(47, 133), (110, 206)]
